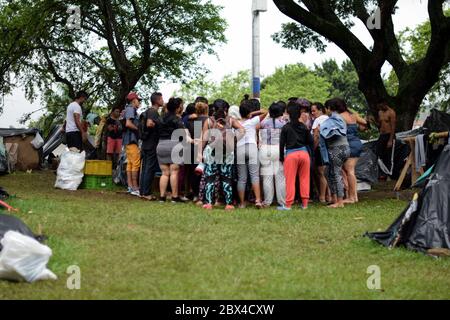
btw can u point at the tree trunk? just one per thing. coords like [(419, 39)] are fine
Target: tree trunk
[(128, 84), (406, 104), (407, 107)]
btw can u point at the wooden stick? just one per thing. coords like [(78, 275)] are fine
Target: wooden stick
[(399, 183)]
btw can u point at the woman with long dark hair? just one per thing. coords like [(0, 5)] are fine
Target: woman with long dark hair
[(168, 141), (335, 131), (218, 155), (353, 121), (295, 139)]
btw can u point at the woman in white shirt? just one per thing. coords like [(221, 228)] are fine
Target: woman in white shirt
[(247, 153)]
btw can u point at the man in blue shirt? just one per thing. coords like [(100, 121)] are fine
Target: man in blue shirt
[(130, 141)]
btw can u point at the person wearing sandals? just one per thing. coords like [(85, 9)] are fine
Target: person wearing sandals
[(218, 155), (171, 129), (295, 139), (354, 121), (269, 154), (318, 112), (335, 150), (247, 152)]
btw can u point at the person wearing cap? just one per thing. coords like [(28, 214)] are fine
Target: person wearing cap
[(130, 141)]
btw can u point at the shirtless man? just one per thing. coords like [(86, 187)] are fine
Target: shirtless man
[(387, 121)]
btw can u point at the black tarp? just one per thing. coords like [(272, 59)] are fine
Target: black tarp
[(4, 167), (425, 224), (401, 154), (367, 167), (8, 132), (53, 140), (12, 223), (437, 121)]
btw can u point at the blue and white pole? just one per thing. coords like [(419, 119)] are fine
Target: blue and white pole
[(257, 7)]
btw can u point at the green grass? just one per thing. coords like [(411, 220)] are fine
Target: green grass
[(130, 249)]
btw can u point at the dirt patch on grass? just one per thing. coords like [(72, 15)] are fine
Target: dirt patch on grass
[(384, 190)]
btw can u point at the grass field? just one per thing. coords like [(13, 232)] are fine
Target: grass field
[(130, 249)]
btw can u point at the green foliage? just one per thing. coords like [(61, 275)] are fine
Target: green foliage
[(415, 43), (344, 83), (294, 80), (298, 37), (323, 82), (231, 88), (122, 45)]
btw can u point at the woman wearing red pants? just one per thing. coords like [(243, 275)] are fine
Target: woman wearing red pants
[(295, 142)]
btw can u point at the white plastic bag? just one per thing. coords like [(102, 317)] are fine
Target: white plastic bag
[(24, 259), (70, 170), (37, 142)]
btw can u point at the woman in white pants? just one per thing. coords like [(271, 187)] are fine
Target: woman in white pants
[(269, 155)]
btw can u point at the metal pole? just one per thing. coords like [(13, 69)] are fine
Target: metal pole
[(256, 72), (258, 6)]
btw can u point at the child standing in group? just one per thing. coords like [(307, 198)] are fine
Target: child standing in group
[(247, 152), (294, 142)]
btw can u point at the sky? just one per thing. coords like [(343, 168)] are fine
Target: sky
[(236, 54)]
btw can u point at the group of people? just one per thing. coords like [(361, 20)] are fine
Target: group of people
[(217, 154)]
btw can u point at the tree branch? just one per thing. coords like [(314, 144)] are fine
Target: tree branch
[(145, 63), (328, 26), (58, 78)]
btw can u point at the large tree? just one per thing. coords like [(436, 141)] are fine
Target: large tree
[(120, 45), (332, 20)]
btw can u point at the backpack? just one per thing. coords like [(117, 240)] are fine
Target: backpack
[(143, 129)]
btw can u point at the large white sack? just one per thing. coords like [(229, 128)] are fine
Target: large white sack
[(24, 259), (70, 170)]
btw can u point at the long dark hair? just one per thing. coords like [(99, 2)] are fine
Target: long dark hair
[(276, 110), (293, 110), (220, 107), (174, 104), (337, 105)]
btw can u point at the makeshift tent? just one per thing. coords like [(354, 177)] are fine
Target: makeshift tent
[(367, 167), (53, 141), (20, 150), (437, 121), (4, 166), (55, 144), (425, 223)]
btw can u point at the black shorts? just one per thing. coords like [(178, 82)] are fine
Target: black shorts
[(74, 139)]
